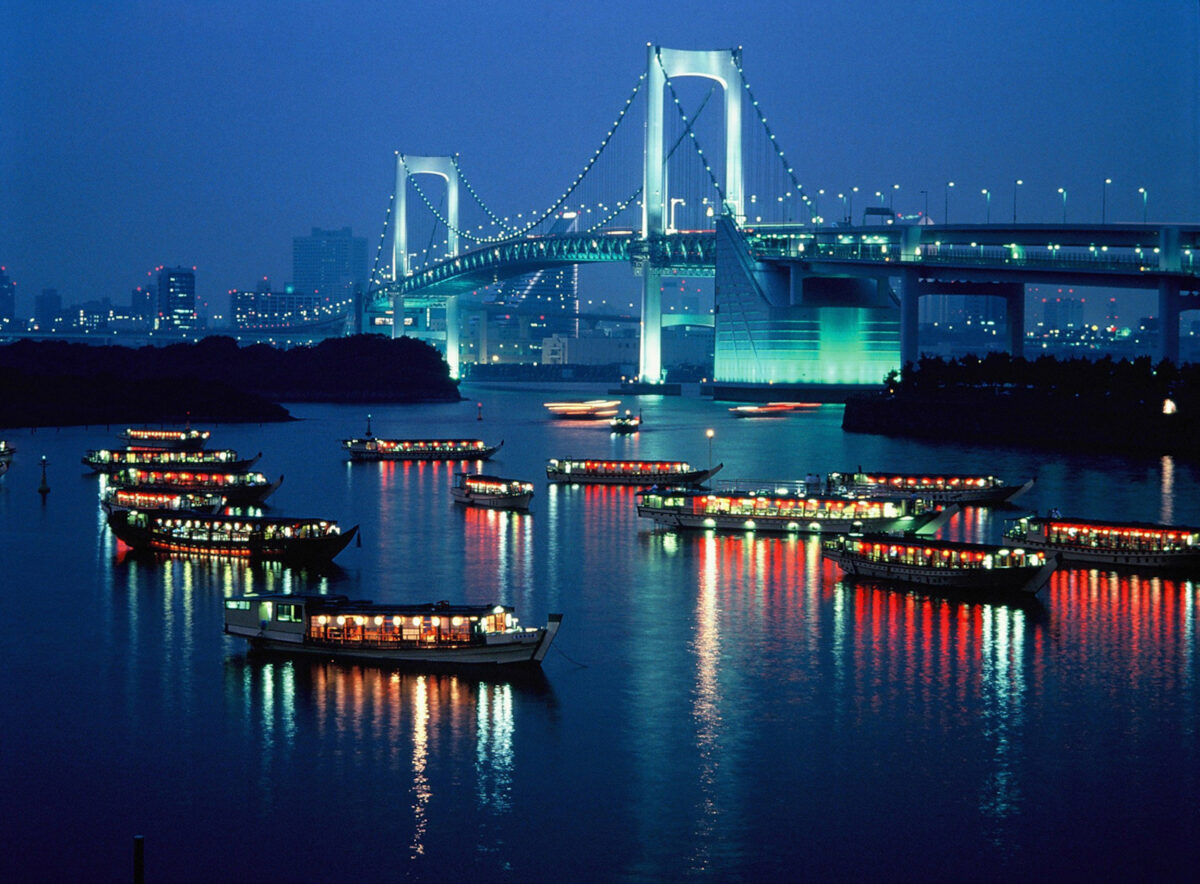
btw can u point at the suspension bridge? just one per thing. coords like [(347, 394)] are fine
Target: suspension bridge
[(798, 300)]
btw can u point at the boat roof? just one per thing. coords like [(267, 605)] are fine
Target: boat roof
[(1106, 523), (344, 604), (928, 542)]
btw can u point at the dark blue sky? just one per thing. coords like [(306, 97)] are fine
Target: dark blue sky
[(134, 134)]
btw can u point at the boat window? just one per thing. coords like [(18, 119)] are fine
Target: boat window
[(237, 605), (289, 613)]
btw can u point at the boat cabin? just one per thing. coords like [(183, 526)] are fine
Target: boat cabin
[(935, 553), (1102, 535)]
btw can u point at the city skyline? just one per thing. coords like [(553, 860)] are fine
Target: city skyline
[(165, 134)]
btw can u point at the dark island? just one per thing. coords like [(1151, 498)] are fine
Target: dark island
[(53, 383), (1077, 404)]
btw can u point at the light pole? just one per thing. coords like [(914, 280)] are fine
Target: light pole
[(1063, 191), (846, 217), (853, 190), (817, 206), (987, 194), (1144, 194), (925, 217), (709, 433), (946, 210), (1016, 183), (892, 199), (1104, 200)]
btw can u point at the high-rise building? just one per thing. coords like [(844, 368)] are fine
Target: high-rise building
[(1062, 313), (8, 297), (331, 264), (47, 309), (143, 302), (176, 298)]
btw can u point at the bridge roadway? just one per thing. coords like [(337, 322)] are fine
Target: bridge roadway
[(977, 260)]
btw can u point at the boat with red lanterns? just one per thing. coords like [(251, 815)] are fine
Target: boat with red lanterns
[(113, 498), (181, 440), (476, 489), (239, 489), (626, 472), (428, 635), (941, 564), (110, 460), (259, 538), (1097, 542), (786, 507), (939, 487)]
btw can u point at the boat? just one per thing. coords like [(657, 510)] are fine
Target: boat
[(370, 448), (941, 564), (626, 423), (771, 409), (110, 460), (940, 487), (1091, 542), (6, 456), (590, 409), (439, 634), (181, 440), (259, 538), (114, 498), (787, 508), (477, 489), (239, 489), (626, 472)]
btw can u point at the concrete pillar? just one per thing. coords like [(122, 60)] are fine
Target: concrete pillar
[(1169, 255), (452, 335), (910, 292), (910, 243), (444, 168), (651, 338), (1014, 312), (1169, 303)]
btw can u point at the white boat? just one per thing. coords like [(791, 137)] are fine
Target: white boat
[(428, 635), (476, 489)]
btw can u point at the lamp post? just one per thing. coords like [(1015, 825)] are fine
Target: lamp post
[(845, 216), (853, 190), (709, 433), (925, 217), (817, 207), (1016, 183), (1144, 194), (987, 194), (1063, 191), (946, 209), (1104, 200), (892, 199)]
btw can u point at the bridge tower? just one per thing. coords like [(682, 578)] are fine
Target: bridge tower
[(445, 168), (723, 66)]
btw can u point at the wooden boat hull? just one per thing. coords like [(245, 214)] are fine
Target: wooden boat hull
[(364, 451), (1091, 557), (578, 477), (295, 550), (674, 518), (97, 464), (1021, 581)]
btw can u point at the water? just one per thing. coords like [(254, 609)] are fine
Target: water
[(714, 706)]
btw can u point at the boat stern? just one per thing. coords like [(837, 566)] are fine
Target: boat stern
[(553, 622)]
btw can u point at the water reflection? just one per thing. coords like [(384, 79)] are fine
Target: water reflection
[(1167, 485), (498, 553), (389, 733)]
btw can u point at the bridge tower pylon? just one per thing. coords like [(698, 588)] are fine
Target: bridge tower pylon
[(723, 66), (445, 168)]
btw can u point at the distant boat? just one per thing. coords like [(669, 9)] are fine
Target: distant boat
[(771, 409), (6, 456), (626, 472), (626, 423), (109, 460), (182, 440), (477, 489), (939, 487), (371, 448), (591, 409), (441, 634), (275, 538), (976, 568)]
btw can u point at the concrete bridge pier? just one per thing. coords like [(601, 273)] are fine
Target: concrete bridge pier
[(651, 328), (910, 293), (452, 357), (1170, 305), (1014, 316)]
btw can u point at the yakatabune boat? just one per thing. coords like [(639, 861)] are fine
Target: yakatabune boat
[(787, 509), (132, 499), (372, 448), (239, 489), (940, 487), (941, 564), (479, 490), (592, 409), (626, 472), (277, 538), (109, 460), (1115, 544), (424, 635), (182, 440)]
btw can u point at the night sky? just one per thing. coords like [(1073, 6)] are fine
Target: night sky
[(135, 134)]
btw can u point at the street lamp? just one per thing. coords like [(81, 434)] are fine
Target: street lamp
[(1144, 194), (853, 190), (846, 217), (709, 433), (892, 199), (1016, 183), (925, 218), (1104, 200), (1063, 191), (817, 205), (946, 211), (988, 196)]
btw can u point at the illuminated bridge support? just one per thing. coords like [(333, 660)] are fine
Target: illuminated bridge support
[(1170, 305), (442, 167), (910, 293), (720, 65)]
